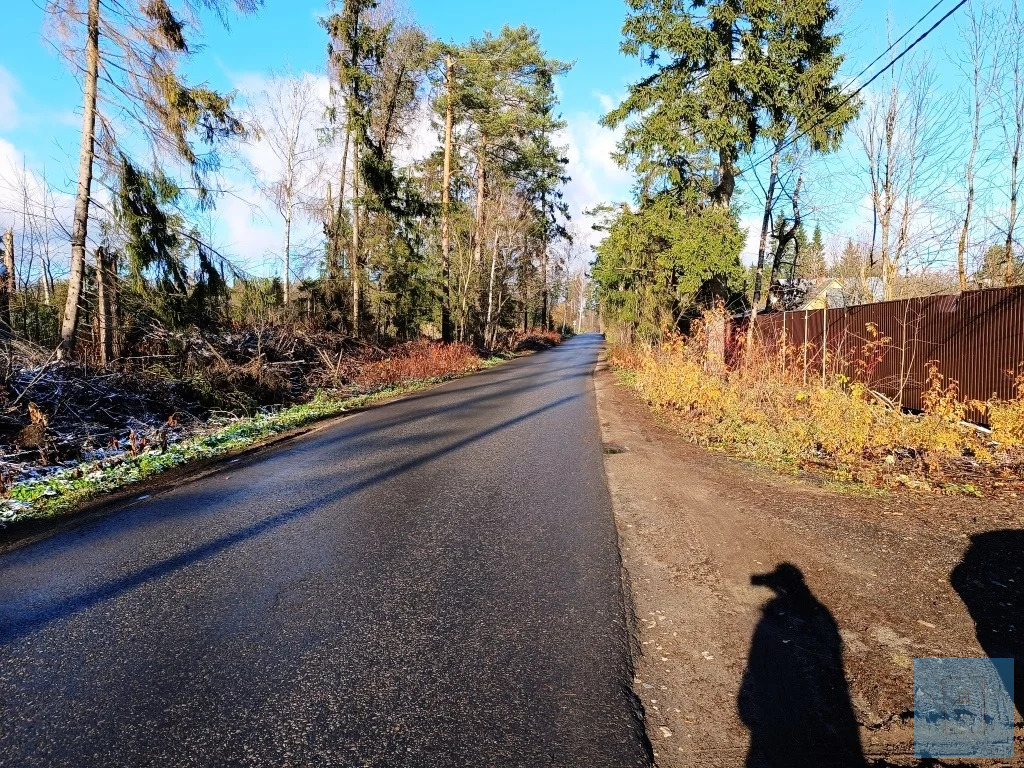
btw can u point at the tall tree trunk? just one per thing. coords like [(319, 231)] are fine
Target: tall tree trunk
[(287, 253), (721, 195), (339, 212), (113, 302), (783, 241), (481, 181), (961, 249), (579, 322), (104, 301), (1010, 277), (526, 308), (889, 264), (10, 276), (545, 296), (766, 222), (446, 182), (87, 147), (47, 277), (354, 266), (490, 289), (5, 309), (762, 248), (478, 241)]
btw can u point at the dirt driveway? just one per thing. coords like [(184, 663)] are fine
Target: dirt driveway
[(777, 621)]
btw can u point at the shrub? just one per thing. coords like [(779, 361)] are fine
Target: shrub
[(417, 360), (759, 409), (1007, 418)]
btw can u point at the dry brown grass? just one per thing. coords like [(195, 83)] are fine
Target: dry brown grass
[(417, 360), (761, 410)]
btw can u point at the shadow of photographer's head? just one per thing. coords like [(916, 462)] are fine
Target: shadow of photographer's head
[(786, 579)]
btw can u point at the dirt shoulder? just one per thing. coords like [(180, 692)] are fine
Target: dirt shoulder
[(822, 648)]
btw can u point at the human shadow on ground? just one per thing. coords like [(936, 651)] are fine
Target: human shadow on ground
[(794, 697), (990, 581)]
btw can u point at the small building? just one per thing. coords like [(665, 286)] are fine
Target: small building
[(828, 292)]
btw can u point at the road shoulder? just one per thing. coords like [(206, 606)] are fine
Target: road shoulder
[(696, 526)]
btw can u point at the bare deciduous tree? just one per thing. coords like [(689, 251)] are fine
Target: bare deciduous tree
[(1011, 109), (285, 114), (901, 135), (978, 66)]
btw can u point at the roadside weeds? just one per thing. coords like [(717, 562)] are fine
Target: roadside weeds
[(837, 428)]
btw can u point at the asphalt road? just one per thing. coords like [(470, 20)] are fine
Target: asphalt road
[(434, 582)]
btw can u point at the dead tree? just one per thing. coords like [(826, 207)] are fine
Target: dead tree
[(10, 283), (106, 300)]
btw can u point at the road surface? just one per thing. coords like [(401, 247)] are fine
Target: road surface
[(434, 582)]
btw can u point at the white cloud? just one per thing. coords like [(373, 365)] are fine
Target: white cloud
[(421, 139), (24, 188), (753, 226), (596, 177), (246, 233), (607, 102)]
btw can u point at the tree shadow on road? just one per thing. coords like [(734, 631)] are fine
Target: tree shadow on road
[(794, 697), (31, 613), (990, 581)]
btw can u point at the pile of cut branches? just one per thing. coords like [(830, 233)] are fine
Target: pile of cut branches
[(55, 415)]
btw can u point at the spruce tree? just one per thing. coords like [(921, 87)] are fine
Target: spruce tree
[(129, 54), (728, 73)]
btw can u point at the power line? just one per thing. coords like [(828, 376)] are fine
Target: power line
[(848, 99), (896, 42)]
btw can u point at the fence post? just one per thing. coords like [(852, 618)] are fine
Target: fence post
[(824, 341), (806, 341), (785, 341)]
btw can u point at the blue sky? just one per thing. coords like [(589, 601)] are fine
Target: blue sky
[(39, 99)]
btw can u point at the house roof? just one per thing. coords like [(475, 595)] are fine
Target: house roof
[(843, 293)]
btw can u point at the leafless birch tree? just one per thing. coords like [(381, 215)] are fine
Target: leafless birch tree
[(1011, 117), (977, 64), (903, 151), (285, 114)]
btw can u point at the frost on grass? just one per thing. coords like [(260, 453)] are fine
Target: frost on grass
[(66, 488), (80, 456), (141, 451)]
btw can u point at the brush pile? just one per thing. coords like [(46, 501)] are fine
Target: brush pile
[(55, 414)]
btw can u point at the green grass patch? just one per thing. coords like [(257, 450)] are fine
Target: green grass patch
[(64, 490)]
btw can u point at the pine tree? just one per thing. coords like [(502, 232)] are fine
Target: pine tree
[(507, 96), (995, 271), (378, 65), (729, 72), (729, 75)]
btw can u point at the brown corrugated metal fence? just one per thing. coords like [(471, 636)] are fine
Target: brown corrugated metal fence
[(976, 338)]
